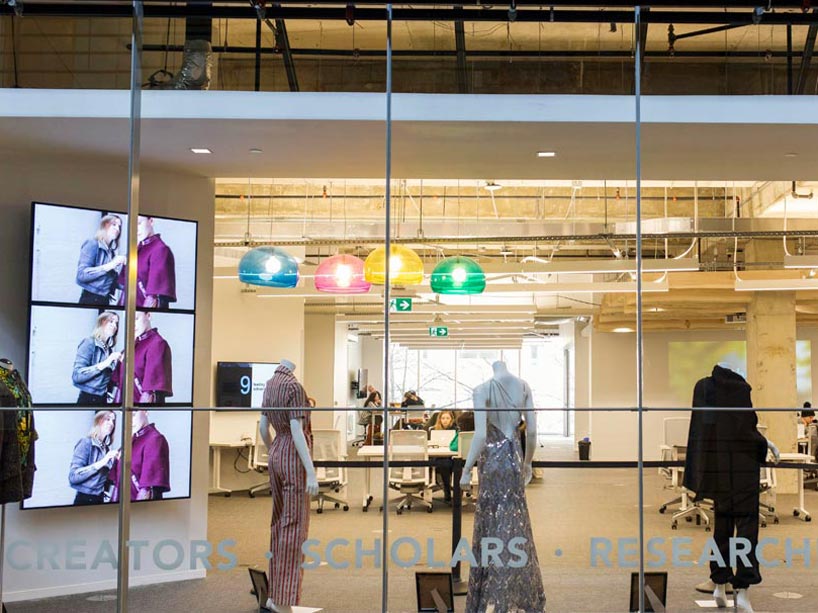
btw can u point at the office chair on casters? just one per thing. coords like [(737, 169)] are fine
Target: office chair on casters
[(674, 448), (413, 482), (687, 508), (258, 463), (767, 484), (326, 446)]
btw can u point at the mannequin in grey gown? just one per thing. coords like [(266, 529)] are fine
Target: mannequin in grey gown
[(502, 512)]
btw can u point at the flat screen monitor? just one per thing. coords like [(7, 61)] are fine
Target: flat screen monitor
[(77, 358), (65, 452), (241, 384)]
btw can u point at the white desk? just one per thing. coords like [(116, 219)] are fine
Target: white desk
[(216, 471), (801, 458), (370, 453)]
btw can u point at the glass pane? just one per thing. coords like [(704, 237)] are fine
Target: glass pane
[(62, 329)]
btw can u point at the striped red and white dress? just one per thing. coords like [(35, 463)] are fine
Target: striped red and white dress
[(285, 399)]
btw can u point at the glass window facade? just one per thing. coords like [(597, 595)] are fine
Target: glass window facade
[(408, 307)]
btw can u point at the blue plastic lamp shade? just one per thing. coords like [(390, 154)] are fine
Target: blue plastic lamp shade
[(458, 275), (269, 267)]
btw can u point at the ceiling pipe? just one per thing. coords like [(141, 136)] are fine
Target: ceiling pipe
[(794, 193)]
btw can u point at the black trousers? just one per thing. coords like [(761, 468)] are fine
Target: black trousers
[(443, 469), (736, 515), (96, 299), (92, 400), (81, 500)]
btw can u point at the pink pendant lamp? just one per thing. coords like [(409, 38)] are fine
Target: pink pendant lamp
[(341, 274)]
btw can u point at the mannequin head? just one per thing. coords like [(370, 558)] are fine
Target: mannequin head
[(287, 364), (144, 228), (499, 367), (142, 322), (140, 420)]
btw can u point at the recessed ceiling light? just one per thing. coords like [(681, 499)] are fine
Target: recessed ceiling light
[(790, 155), (546, 154), (255, 150), (200, 150), (622, 330)]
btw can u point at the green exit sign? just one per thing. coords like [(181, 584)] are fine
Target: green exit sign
[(400, 305), (438, 331)]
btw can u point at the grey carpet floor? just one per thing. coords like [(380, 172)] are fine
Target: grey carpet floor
[(568, 508)]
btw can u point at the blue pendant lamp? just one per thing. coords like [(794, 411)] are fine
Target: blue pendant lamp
[(458, 275), (268, 267)]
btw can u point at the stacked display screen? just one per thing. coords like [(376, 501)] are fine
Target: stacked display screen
[(76, 354)]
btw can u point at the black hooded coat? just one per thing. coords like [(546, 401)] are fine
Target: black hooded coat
[(724, 448)]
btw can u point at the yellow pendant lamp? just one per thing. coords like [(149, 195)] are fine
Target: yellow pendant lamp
[(405, 266)]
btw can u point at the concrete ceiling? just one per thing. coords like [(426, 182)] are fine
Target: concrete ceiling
[(444, 136)]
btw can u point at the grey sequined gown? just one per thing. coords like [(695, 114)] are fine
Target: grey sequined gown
[(502, 513)]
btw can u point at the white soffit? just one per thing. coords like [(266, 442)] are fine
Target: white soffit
[(434, 136)]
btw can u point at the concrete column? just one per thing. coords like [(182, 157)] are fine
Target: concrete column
[(319, 365), (771, 359)]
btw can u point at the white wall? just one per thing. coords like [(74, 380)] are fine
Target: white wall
[(320, 368), (582, 381), (247, 328), (612, 366), (372, 360), (332, 361), (345, 416), (101, 183)]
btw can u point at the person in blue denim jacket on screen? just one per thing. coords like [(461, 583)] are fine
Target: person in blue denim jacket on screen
[(99, 264), (95, 361), (93, 459)]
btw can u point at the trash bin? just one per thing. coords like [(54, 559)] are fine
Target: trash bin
[(584, 449)]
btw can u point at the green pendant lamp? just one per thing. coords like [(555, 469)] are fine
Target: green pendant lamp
[(458, 275)]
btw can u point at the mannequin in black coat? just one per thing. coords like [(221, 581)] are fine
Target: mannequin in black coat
[(725, 451)]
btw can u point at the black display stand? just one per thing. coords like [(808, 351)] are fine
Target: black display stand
[(460, 586)]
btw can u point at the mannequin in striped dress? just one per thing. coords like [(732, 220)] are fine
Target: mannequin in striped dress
[(292, 482)]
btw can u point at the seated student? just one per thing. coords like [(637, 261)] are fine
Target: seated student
[(430, 423), (411, 399), (414, 418), (445, 421), (465, 421), (810, 428), (365, 416)]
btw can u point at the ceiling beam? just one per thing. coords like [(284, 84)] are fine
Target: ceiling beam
[(283, 43), (473, 54), (806, 56), (644, 16), (463, 84)]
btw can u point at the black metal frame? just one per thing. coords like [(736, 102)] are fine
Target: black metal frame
[(785, 11)]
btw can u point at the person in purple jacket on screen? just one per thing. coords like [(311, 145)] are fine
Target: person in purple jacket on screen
[(153, 365), (150, 462), (155, 269)]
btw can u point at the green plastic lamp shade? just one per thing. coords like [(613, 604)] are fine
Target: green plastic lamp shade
[(405, 266), (458, 275), (268, 267)]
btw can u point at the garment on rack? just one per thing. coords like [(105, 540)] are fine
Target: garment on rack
[(502, 513), (17, 437), (285, 399)]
